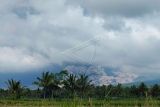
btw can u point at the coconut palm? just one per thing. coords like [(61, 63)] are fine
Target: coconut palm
[(15, 88), (70, 84), (155, 90), (62, 75), (83, 84), (44, 82), (119, 90), (133, 91), (57, 84), (143, 89), (54, 85)]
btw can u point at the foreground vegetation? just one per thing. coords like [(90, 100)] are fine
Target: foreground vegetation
[(69, 86), (69, 90), (81, 103)]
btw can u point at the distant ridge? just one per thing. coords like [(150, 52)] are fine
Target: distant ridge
[(147, 82)]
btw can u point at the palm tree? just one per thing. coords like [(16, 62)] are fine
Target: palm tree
[(54, 85), (101, 91), (133, 91), (119, 90), (83, 84), (57, 84), (143, 90), (70, 84), (155, 90), (61, 76), (110, 89), (15, 88), (44, 82)]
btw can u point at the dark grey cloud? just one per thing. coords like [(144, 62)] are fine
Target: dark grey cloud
[(127, 8)]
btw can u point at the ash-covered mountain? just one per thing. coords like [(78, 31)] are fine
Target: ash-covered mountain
[(101, 75), (98, 74)]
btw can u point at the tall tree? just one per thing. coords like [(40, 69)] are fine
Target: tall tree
[(119, 90), (83, 84), (44, 82), (101, 91), (133, 91), (15, 88), (155, 90), (110, 90), (54, 85), (62, 75), (143, 90), (70, 84)]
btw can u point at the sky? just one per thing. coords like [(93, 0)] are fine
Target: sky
[(123, 34)]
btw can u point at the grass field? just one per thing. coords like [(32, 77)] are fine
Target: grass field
[(81, 103)]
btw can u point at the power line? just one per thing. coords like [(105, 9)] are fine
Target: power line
[(81, 45)]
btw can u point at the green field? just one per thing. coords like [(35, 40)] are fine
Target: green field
[(81, 103)]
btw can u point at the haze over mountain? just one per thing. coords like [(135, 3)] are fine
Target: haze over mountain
[(98, 74), (117, 41)]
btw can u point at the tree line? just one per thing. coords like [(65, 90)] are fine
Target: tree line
[(65, 85)]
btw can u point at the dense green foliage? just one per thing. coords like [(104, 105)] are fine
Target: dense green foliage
[(14, 88), (67, 86)]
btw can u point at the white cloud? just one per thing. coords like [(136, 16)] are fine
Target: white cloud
[(34, 34), (53, 28), (15, 59)]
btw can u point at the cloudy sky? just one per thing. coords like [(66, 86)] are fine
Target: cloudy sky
[(123, 34)]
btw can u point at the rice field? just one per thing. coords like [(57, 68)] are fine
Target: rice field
[(81, 103)]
